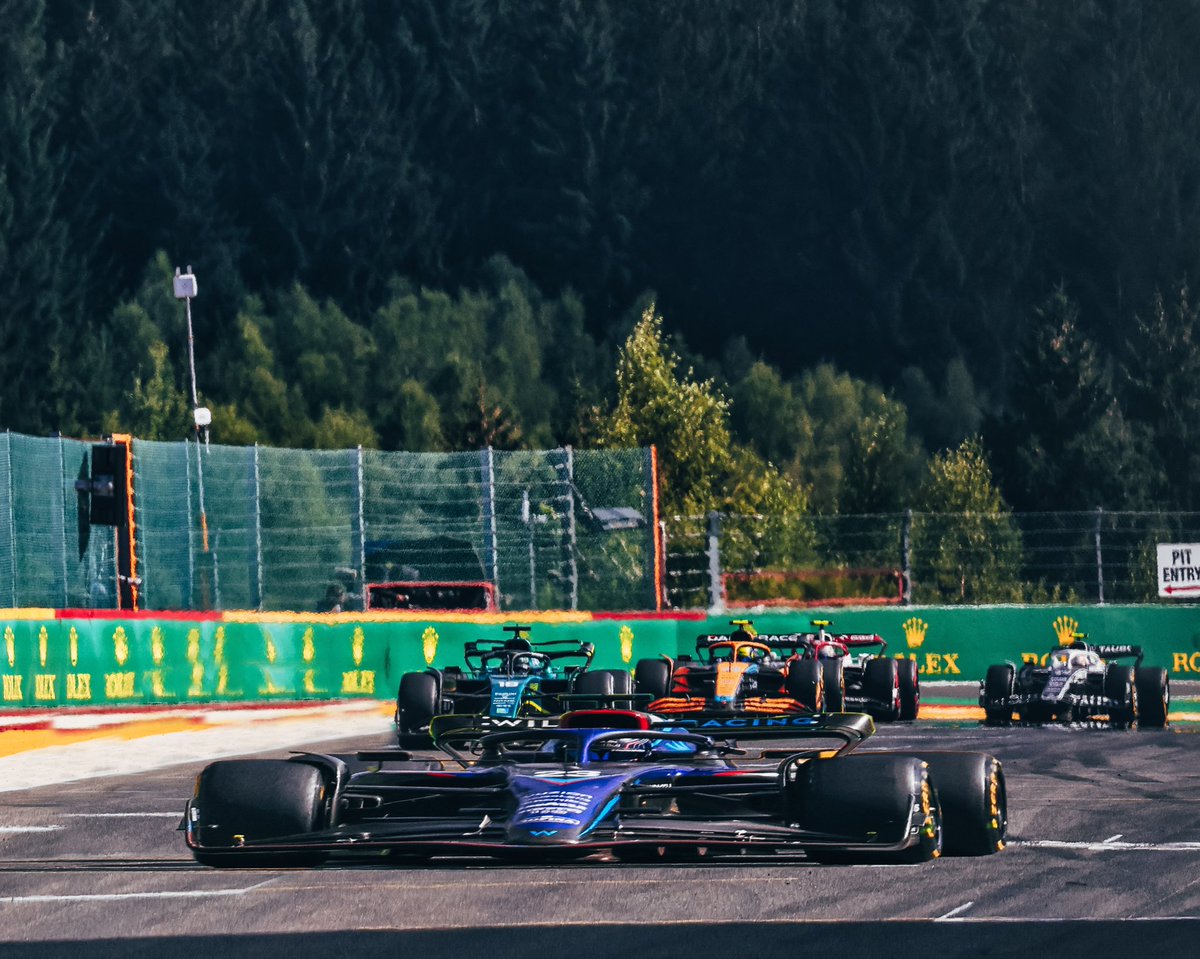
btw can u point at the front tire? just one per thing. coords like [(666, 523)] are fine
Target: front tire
[(997, 688), (974, 799), (869, 797), (417, 702), (1154, 696), (239, 800)]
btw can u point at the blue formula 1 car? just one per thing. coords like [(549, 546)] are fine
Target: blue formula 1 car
[(508, 679), (602, 781)]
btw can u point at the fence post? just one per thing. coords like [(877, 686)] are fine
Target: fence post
[(572, 533), (527, 519), (359, 533), (191, 546), (906, 556), (716, 594), (1099, 558), (488, 471), (257, 583), (12, 518), (62, 469)]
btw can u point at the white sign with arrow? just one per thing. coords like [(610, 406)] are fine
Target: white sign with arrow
[(1179, 570)]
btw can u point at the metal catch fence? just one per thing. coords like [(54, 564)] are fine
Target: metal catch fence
[(302, 530), (726, 562)]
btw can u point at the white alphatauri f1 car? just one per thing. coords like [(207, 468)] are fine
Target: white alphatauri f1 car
[(1079, 682)]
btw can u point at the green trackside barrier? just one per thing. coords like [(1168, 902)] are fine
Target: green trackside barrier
[(47, 661), (958, 643), (131, 662)]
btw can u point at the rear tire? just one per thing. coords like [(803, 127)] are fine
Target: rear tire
[(998, 686), (910, 689), (834, 678), (1154, 696), (622, 684), (881, 681), (599, 683), (257, 799), (863, 796), (417, 702), (652, 677), (804, 683), (974, 799)]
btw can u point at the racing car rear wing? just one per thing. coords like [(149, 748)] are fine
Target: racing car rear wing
[(849, 728), (793, 640), (1118, 651)]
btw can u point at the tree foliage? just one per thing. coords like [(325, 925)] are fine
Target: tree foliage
[(426, 226)]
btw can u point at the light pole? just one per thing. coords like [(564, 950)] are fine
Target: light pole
[(185, 289)]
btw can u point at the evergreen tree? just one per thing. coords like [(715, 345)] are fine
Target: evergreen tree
[(966, 549), (1161, 377), (40, 285)]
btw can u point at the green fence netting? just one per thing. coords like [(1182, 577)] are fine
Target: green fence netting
[(222, 527)]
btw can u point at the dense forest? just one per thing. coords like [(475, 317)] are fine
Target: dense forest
[(874, 231)]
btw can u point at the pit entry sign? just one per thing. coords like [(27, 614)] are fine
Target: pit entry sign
[(1179, 570)]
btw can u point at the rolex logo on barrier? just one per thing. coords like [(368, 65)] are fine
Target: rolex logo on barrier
[(358, 680), (915, 629), (429, 644), (121, 684), (120, 646), (1065, 629), (79, 685), (626, 644)]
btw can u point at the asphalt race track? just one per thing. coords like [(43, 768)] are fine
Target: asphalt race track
[(1103, 860)]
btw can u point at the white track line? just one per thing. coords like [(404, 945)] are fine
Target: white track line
[(955, 911), (1108, 845), (8, 829), (116, 896), (178, 814)]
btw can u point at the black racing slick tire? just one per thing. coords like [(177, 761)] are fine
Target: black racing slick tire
[(997, 687), (910, 689), (1119, 684), (599, 683), (417, 702), (834, 678), (622, 684), (974, 800), (806, 685), (242, 800), (1154, 696), (865, 799), (881, 681), (652, 677)]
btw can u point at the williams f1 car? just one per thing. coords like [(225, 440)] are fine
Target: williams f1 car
[(1080, 681), (508, 678), (602, 781)]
